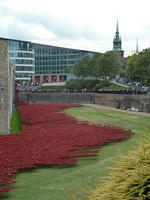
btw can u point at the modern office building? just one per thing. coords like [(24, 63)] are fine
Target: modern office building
[(38, 63), (21, 55), (51, 61)]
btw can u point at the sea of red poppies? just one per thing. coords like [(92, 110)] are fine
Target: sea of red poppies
[(50, 137)]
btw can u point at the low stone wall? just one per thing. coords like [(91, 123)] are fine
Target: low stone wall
[(124, 101), (56, 97), (120, 101)]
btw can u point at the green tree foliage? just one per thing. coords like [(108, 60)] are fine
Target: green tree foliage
[(80, 84), (92, 85), (129, 179), (82, 68), (94, 66), (100, 66), (108, 86), (107, 65), (67, 70), (138, 67)]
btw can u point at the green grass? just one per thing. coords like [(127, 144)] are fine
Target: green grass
[(60, 183), (108, 85), (15, 124)]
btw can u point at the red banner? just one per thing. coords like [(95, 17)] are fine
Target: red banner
[(49, 78), (33, 79), (57, 78), (41, 79)]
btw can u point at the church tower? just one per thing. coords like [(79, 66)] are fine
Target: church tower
[(117, 49)]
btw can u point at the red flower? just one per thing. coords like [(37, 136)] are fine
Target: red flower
[(49, 137)]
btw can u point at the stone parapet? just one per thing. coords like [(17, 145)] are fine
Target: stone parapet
[(120, 101)]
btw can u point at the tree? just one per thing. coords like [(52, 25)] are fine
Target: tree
[(138, 67), (81, 68), (131, 63), (106, 65), (94, 65), (67, 70), (100, 66)]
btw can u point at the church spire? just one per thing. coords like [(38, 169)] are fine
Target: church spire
[(117, 27), (137, 47), (117, 40), (117, 47)]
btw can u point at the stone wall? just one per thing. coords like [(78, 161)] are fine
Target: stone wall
[(124, 101), (57, 97), (5, 88), (120, 101)]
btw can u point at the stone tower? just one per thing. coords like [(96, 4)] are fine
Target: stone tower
[(117, 49), (6, 87)]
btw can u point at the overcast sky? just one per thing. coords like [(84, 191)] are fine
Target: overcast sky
[(81, 24)]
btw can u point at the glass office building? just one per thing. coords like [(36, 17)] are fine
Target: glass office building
[(21, 55), (50, 61), (38, 63)]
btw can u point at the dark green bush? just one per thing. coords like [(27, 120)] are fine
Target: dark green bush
[(92, 85), (80, 84), (51, 89), (108, 85), (102, 85)]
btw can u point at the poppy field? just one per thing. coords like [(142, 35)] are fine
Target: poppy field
[(50, 137)]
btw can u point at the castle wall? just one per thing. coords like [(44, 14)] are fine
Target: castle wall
[(121, 101), (6, 88)]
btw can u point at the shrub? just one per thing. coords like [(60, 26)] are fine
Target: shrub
[(51, 89), (80, 84), (92, 85), (129, 179), (102, 85), (108, 85)]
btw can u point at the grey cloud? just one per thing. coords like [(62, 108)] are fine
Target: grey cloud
[(14, 31), (61, 28)]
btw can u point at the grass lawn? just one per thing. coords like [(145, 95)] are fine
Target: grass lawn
[(15, 124), (60, 183)]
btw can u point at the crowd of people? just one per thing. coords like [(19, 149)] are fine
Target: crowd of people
[(125, 91), (131, 88)]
